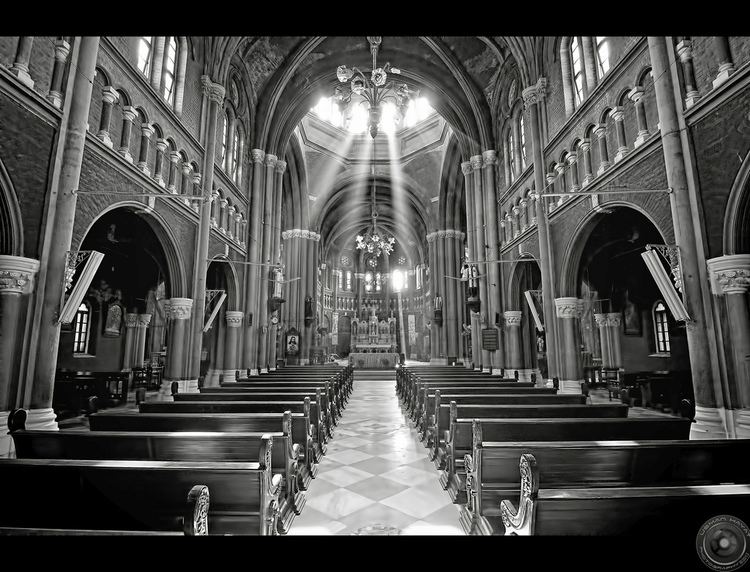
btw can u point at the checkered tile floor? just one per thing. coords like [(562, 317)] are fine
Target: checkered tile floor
[(376, 472)]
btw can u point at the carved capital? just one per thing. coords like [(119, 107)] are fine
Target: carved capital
[(162, 144), (280, 166), (490, 157), (601, 320), (62, 49), (466, 167), (614, 319), (143, 319), (512, 317), (174, 157), (129, 113), (541, 88), (257, 155), (530, 97), (431, 237), (600, 130), (617, 113), (584, 145), (566, 307), (131, 320), (441, 234), (572, 158), (17, 274), (685, 51), (181, 308), (729, 274), (146, 130), (636, 94), (217, 93), (476, 162), (109, 94), (271, 160), (560, 168), (196, 178), (234, 318)]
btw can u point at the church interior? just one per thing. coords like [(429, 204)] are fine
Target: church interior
[(402, 285)]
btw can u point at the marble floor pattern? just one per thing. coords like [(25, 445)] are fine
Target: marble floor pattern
[(376, 472)]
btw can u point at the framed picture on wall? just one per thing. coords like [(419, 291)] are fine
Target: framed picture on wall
[(631, 319)]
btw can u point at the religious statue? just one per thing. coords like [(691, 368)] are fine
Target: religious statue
[(278, 280), (470, 274), (114, 320)]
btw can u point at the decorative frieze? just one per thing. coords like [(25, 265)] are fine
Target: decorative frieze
[(17, 274), (300, 233), (180, 308), (234, 318), (512, 317), (566, 307)]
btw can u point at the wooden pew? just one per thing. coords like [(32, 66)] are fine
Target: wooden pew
[(446, 414), (412, 390), (337, 392), (223, 423), (430, 403), (310, 408), (175, 446), (138, 495), (460, 438), (673, 510), (492, 469)]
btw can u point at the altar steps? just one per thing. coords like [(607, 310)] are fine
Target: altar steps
[(374, 375)]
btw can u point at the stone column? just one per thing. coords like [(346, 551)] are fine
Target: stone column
[(567, 80), (622, 145), (476, 350), (685, 53), (174, 159), (238, 228), (180, 310), (214, 93), (602, 323), (179, 87), (273, 346), (513, 330), (560, 176), (434, 330), (161, 147), (131, 321), (58, 235), (589, 63), (109, 97), (601, 134), (730, 279), (20, 67), (62, 49), (128, 115), (567, 313), (572, 160), (196, 179), (460, 299), (213, 208), (186, 184), (157, 61), (234, 321), (451, 269), (506, 163), (532, 95), (441, 290), (489, 162), (614, 323), (139, 349), (585, 147), (146, 132), (222, 215), (270, 165), (229, 221), (517, 161), (485, 311), (636, 95), (706, 380), (16, 283), (724, 57)]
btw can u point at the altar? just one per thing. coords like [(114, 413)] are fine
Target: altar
[(373, 343), (373, 360)]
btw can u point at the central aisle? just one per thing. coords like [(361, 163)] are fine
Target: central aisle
[(376, 472)]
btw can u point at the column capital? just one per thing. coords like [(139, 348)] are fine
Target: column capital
[(490, 157), (17, 274), (441, 234), (217, 93), (186, 168), (729, 274), (566, 307), (174, 156), (131, 320), (476, 162), (685, 50), (271, 160), (62, 49), (551, 177), (614, 319), (636, 94), (431, 237), (280, 166), (196, 178), (466, 167), (180, 308), (109, 94), (223, 202), (234, 318), (572, 158), (560, 168), (237, 216), (584, 145), (530, 97), (617, 113), (512, 317), (600, 129), (162, 144), (143, 319), (231, 210), (601, 320), (257, 155), (147, 130), (129, 113)]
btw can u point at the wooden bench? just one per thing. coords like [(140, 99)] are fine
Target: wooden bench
[(222, 423), (310, 408), (73, 389), (138, 495), (446, 414), (460, 439), (492, 469), (646, 511), (337, 392), (412, 390), (175, 446)]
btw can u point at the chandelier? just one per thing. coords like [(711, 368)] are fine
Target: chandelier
[(373, 241), (372, 88)]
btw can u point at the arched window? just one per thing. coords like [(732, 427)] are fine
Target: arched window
[(661, 328), (577, 61), (368, 281), (341, 280), (235, 153), (144, 55), (511, 155), (418, 277), (349, 280), (406, 280), (602, 54), (522, 134), (170, 66), (224, 127), (81, 328), (377, 281)]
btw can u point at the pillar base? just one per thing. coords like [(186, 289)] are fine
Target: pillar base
[(23, 76), (144, 168), (253, 372), (477, 368), (230, 375), (7, 450), (742, 423), (621, 154), (438, 361), (41, 420), (603, 166), (709, 424), (570, 386), (56, 98), (524, 374), (212, 378), (126, 154), (106, 139), (263, 370), (725, 70), (691, 99), (486, 369), (271, 369), (640, 139)]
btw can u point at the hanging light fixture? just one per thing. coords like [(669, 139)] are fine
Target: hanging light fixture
[(374, 241), (374, 90)]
